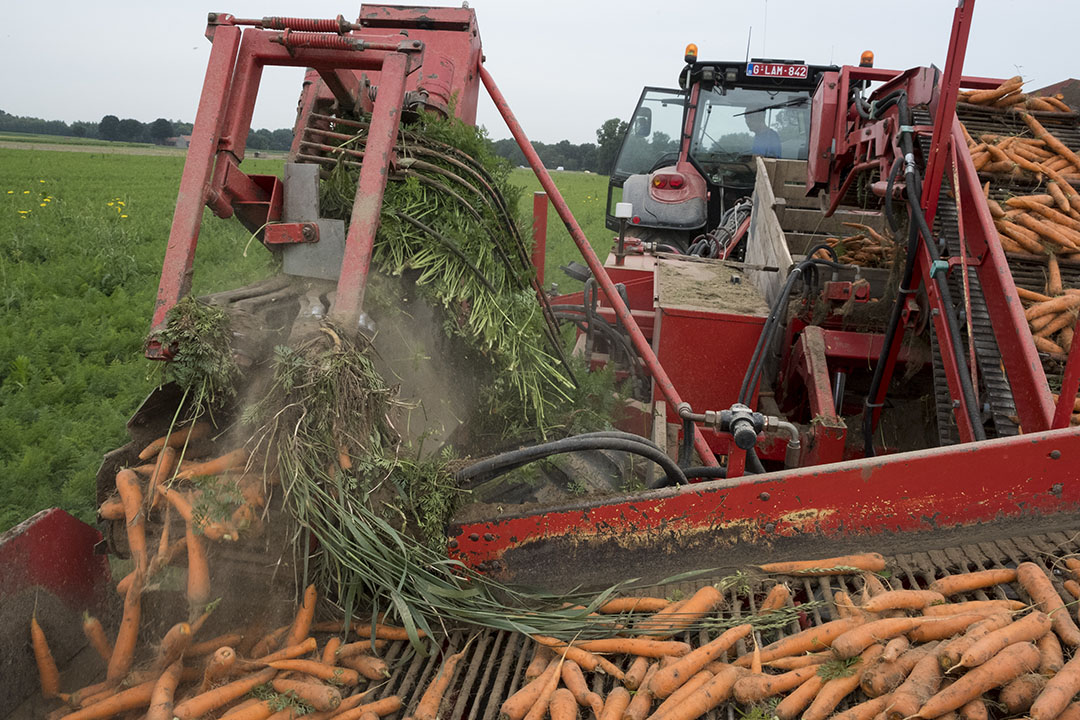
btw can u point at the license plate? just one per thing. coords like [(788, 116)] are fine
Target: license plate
[(777, 70)]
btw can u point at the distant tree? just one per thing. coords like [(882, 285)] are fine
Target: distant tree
[(131, 130), (78, 130), (109, 128), (608, 138), (281, 139), (256, 141), (161, 130)]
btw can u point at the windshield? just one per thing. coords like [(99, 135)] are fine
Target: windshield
[(653, 133), (730, 127)]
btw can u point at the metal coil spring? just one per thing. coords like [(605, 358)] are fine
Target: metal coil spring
[(301, 24), (318, 41)]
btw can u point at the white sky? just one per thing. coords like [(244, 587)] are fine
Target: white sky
[(565, 66)]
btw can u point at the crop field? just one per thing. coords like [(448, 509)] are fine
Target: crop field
[(82, 237)]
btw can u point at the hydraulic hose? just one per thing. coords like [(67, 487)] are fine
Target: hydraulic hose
[(709, 473), (894, 172), (505, 462)]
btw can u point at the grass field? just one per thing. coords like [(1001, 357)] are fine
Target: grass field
[(66, 140), (82, 237)]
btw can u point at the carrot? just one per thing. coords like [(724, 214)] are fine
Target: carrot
[(1059, 691), (634, 646), (379, 708), (983, 97), (1019, 694), (428, 707), (844, 606), (921, 683), (259, 710), (128, 634), (866, 710), (752, 688), (173, 645), (1063, 185), (834, 691), (229, 461), (390, 632), (1072, 563), (218, 668), (1029, 628), (163, 468), (679, 696), (1065, 237), (301, 625), (1041, 591), (635, 674), (944, 627), (161, 699), (1047, 346), (844, 565), (1061, 218), (670, 678), (309, 645), (809, 640), (973, 606), (127, 484), (48, 674), (615, 705), (856, 640), (952, 651), (322, 671), (364, 647), (641, 703), (708, 697), (903, 600), (315, 694), (1051, 659), (371, 667), (1022, 236), (895, 648), (777, 598), (966, 582), (587, 660), (1059, 197), (111, 509), (881, 678), (95, 634), (517, 705), (1010, 663), (540, 659), (208, 646), (329, 653), (176, 439), (1071, 712), (198, 572), (543, 700), (698, 606), (1060, 322), (633, 604), (798, 661), (134, 698), (794, 704), (574, 681), (1052, 142), (563, 706)]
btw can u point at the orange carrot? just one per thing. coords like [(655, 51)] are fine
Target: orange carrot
[(641, 704), (95, 634), (777, 598), (921, 683), (428, 707), (163, 469), (1010, 663), (679, 696), (134, 698), (881, 678), (1047, 346), (798, 661), (161, 699), (1052, 142), (794, 704), (229, 461), (845, 608), (634, 646), (258, 710), (1018, 695), (306, 647), (615, 705), (708, 697), (540, 659), (329, 653), (834, 691), (952, 651), (966, 582), (173, 645), (218, 668), (127, 484), (176, 439), (379, 708), (1029, 628), (698, 606), (563, 706), (984, 97), (635, 674), (903, 600), (1051, 659), (322, 671), (944, 627), (753, 688), (363, 647), (369, 666), (48, 673), (208, 646), (895, 648), (517, 705), (111, 509), (633, 604), (587, 660), (1039, 588), (574, 681), (844, 565), (866, 710), (809, 640), (128, 635), (543, 700), (973, 606), (315, 694), (301, 625), (198, 572), (974, 710), (667, 680)]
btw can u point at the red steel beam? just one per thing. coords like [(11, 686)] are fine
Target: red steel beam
[(367, 207), (1070, 383), (644, 349)]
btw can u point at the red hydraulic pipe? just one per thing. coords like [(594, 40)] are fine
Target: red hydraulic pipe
[(1070, 383), (641, 345), (539, 253), (364, 221)]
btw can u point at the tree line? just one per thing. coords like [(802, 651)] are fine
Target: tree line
[(595, 157)]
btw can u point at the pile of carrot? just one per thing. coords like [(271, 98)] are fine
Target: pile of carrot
[(866, 248), (1008, 96)]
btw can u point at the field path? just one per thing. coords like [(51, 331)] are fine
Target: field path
[(103, 149)]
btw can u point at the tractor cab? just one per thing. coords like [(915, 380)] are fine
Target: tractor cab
[(686, 161)]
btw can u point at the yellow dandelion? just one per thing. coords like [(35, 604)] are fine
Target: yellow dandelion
[(109, 204), (120, 203), (48, 199), (10, 192), (41, 181), (25, 192), (44, 205), (123, 216), (24, 212)]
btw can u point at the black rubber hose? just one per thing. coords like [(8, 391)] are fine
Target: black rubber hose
[(686, 448), (710, 473), (497, 465), (894, 172), (753, 463)]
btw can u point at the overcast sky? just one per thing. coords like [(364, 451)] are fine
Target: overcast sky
[(565, 66)]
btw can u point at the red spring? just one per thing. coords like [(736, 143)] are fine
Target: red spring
[(301, 24), (317, 41)]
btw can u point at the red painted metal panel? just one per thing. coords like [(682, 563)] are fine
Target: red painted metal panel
[(929, 489)]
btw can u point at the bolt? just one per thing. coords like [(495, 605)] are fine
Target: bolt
[(488, 537), (955, 404), (1055, 454), (308, 232), (453, 543), (474, 537), (770, 527), (764, 496)]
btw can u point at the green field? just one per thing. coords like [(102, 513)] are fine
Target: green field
[(66, 140), (82, 237)]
